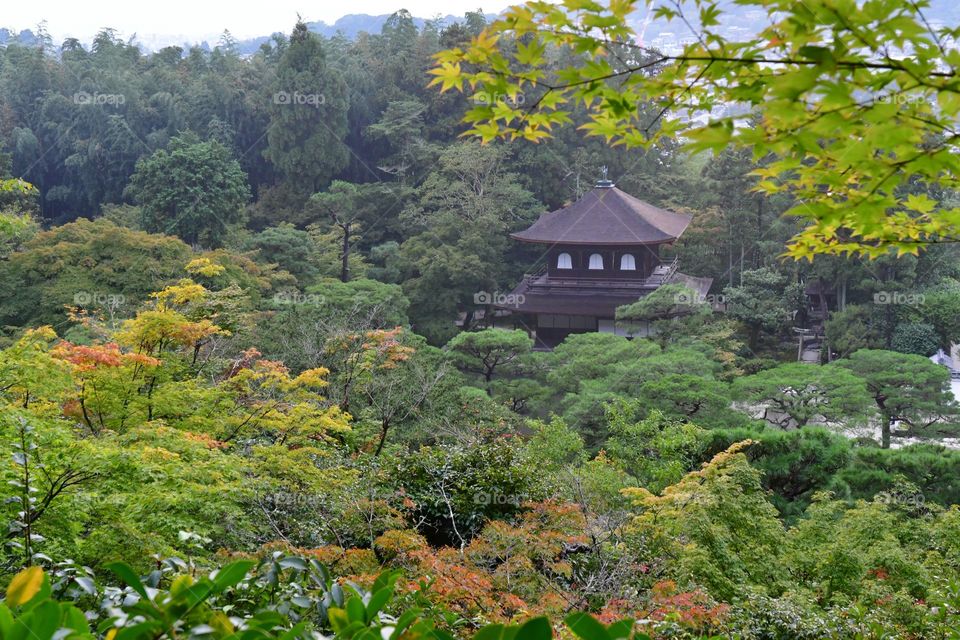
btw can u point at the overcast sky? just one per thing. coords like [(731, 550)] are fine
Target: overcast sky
[(197, 19)]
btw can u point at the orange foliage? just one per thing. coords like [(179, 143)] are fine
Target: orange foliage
[(507, 572), (387, 347), (457, 586), (87, 358), (207, 440), (694, 610), (349, 563)]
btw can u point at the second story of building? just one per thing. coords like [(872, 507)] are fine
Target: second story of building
[(607, 235), (627, 262)]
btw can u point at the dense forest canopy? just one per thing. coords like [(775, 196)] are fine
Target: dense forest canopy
[(253, 383)]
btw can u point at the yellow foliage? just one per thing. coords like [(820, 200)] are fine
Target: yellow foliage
[(312, 378), (24, 586), (152, 331), (159, 454), (30, 372), (184, 292), (399, 541), (204, 267)]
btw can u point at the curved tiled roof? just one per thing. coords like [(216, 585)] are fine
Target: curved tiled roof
[(608, 216)]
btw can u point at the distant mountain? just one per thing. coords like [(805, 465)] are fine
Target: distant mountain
[(350, 26), (26, 37), (737, 22)]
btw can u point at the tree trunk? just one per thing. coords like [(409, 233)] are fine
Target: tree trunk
[(885, 420), (754, 337), (756, 249), (345, 257), (730, 260), (822, 298), (384, 428), (741, 264)]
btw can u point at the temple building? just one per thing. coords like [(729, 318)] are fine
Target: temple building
[(601, 252)]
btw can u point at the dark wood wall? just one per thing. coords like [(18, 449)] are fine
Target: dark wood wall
[(646, 258)]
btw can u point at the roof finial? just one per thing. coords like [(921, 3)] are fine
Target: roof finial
[(603, 182)]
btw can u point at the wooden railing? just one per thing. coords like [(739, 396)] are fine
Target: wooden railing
[(660, 275), (536, 273)]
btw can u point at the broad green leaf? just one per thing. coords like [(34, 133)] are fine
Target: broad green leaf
[(232, 574), (123, 571), (489, 632), (587, 627), (377, 601), (355, 610), (535, 629)]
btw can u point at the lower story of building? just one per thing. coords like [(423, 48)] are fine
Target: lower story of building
[(550, 310), (550, 329)]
